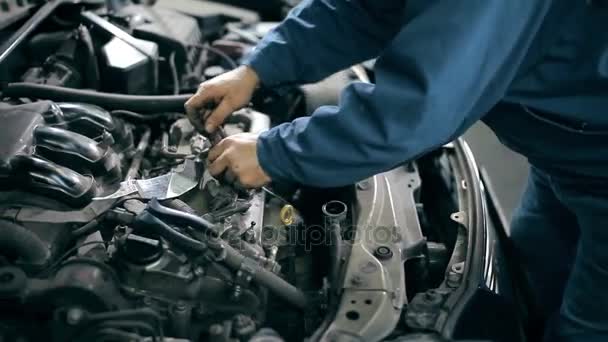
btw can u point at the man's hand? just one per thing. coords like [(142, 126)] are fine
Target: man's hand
[(238, 154), (229, 91)]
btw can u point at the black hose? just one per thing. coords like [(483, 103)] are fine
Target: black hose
[(181, 217), (107, 334), (88, 228), (146, 220), (110, 101), (334, 213), (232, 258), (16, 240), (59, 261), (133, 314), (335, 254), (277, 285), (144, 117)]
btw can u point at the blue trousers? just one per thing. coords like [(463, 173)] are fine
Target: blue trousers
[(560, 231)]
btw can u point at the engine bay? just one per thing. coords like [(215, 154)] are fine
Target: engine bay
[(114, 230)]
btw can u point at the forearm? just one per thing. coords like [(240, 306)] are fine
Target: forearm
[(320, 37)]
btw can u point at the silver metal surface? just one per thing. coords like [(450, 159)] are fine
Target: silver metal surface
[(180, 180), (374, 287)]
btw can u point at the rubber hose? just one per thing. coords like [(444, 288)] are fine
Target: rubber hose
[(86, 229), (181, 217), (133, 314), (110, 101), (17, 241), (336, 254), (148, 221), (334, 213), (143, 117), (277, 285), (231, 258)]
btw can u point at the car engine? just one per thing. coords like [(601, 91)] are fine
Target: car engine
[(111, 229)]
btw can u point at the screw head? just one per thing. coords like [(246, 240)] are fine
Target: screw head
[(74, 316), (383, 253), (199, 271)]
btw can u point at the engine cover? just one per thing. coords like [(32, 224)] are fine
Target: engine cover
[(172, 31), (43, 154)]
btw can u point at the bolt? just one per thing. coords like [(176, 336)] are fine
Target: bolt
[(199, 271), (74, 316), (236, 293), (383, 253), (197, 144), (172, 149)]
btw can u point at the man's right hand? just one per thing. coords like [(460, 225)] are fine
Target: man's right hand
[(230, 91)]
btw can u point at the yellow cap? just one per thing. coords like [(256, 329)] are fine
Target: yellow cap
[(287, 215)]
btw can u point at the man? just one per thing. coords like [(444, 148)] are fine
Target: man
[(536, 71)]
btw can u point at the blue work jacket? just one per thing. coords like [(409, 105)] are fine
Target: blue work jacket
[(441, 66)]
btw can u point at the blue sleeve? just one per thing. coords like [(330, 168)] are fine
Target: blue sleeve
[(442, 71), (320, 37)]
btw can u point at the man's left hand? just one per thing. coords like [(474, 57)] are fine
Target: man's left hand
[(238, 154)]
